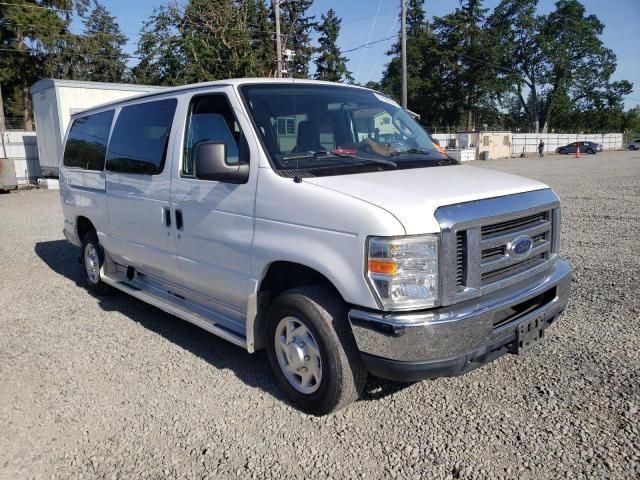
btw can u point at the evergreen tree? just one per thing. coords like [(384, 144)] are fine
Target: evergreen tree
[(330, 64), (35, 34), (261, 38), (296, 29), (206, 40), (468, 56), (428, 91), (101, 46), (160, 49)]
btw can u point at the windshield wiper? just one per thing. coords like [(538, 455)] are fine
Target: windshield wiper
[(412, 151), (306, 155), (321, 154), (418, 151)]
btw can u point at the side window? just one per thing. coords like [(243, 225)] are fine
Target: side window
[(87, 141), (140, 137), (210, 120)]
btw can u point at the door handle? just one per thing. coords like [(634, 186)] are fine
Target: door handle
[(166, 213), (179, 224)]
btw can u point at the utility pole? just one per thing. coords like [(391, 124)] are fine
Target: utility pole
[(276, 11), (3, 125), (403, 42)]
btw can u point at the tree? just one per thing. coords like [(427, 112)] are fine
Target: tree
[(296, 30), (450, 78), (206, 40), (35, 34), (160, 48), (632, 120), (330, 64), (555, 57), (101, 46), (261, 38), (468, 53)]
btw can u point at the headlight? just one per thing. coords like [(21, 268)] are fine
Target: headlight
[(403, 271)]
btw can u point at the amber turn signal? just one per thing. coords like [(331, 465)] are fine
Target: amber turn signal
[(386, 267)]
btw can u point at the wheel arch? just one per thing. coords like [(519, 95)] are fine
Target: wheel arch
[(278, 277), (83, 225)]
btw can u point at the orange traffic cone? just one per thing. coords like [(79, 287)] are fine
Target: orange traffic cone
[(578, 153)]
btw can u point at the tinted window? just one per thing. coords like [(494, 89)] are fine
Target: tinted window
[(87, 141), (140, 137), (210, 120)]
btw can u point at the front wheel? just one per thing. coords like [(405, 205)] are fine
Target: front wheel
[(562, 151), (632, 147), (312, 351)]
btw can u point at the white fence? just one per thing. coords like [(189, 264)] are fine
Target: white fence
[(22, 148), (528, 142)]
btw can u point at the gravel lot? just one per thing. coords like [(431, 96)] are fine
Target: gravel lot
[(114, 388)]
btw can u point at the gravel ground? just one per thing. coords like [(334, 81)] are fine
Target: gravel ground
[(114, 388)]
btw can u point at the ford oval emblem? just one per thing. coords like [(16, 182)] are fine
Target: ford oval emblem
[(520, 247)]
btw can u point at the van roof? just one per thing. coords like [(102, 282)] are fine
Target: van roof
[(217, 83)]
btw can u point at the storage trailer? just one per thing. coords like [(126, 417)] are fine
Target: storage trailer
[(54, 101)]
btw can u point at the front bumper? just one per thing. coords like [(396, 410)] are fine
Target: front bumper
[(456, 339)]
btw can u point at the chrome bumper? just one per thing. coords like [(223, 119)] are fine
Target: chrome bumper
[(461, 333)]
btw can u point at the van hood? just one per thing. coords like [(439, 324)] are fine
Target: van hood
[(413, 195)]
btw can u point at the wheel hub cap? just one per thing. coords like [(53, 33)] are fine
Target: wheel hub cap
[(92, 264), (298, 355)]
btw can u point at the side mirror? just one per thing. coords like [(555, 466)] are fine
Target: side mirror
[(210, 163)]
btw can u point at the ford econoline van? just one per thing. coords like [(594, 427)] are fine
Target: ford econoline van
[(318, 221)]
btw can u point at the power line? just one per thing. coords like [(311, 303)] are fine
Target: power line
[(389, 34), (373, 24), (32, 25), (359, 19), (31, 5)]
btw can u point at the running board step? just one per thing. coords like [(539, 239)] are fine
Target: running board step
[(170, 304)]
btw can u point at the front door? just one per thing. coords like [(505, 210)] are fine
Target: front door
[(138, 185), (215, 219)]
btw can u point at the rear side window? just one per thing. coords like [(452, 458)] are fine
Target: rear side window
[(140, 137), (87, 141)]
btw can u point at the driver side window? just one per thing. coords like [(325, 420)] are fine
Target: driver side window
[(210, 120)]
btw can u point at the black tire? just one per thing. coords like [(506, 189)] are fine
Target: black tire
[(632, 147), (324, 314), (90, 240), (590, 150), (562, 151)]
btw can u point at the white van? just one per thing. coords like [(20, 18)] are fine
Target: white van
[(318, 221)]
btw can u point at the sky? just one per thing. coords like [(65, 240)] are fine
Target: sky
[(365, 21)]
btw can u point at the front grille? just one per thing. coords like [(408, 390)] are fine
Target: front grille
[(509, 271), (496, 264), (493, 262), (513, 225), (484, 246)]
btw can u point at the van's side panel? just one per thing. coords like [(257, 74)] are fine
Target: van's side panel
[(83, 195), (318, 228)]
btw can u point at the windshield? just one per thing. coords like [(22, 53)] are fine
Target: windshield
[(330, 130)]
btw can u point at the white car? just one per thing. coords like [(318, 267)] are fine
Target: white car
[(634, 144), (273, 214)]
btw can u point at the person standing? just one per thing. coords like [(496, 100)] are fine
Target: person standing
[(541, 148)]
